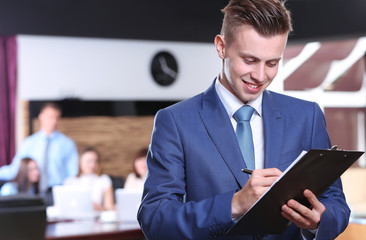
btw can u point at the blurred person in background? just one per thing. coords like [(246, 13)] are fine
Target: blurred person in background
[(136, 179), (90, 176), (54, 152), (26, 180)]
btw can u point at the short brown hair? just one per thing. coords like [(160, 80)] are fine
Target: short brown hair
[(53, 105), (267, 17)]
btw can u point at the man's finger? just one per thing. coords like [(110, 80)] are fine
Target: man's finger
[(313, 200), (267, 172)]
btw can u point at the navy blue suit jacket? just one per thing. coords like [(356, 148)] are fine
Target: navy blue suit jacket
[(194, 166)]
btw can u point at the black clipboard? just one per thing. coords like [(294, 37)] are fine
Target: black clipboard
[(317, 170)]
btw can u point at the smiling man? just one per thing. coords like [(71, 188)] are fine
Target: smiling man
[(195, 188)]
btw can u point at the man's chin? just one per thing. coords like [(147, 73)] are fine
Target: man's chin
[(249, 97)]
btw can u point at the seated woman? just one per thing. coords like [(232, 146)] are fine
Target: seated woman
[(26, 180), (90, 176), (136, 179)]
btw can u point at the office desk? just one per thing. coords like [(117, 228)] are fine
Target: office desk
[(93, 230)]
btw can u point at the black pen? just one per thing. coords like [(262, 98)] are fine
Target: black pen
[(246, 170)]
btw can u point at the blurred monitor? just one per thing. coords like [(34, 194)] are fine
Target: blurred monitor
[(73, 202), (128, 202), (22, 217)]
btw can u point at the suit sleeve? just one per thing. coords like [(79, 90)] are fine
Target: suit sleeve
[(164, 213), (336, 216)]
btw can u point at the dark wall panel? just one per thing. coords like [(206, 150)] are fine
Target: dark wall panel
[(189, 20), (323, 19)]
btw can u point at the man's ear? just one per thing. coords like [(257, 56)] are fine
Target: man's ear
[(220, 46)]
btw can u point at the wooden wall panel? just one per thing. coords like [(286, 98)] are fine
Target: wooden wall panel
[(25, 119), (117, 138)]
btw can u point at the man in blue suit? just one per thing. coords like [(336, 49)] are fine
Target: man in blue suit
[(194, 187)]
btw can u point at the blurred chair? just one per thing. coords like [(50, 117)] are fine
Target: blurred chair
[(22, 217), (117, 182)]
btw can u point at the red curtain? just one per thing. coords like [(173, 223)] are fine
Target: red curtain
[(8, 70)]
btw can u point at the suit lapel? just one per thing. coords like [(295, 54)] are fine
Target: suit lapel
[(220, 130), (274, 128)]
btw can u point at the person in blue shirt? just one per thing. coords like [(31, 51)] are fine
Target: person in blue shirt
[(26, 180), (55, 153)]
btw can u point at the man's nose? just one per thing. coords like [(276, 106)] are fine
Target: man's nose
[(259, 73)]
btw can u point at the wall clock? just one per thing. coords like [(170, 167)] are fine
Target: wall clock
[(164, 68)]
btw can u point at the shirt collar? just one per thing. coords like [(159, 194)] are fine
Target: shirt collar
[(232, 103), (51, 136)]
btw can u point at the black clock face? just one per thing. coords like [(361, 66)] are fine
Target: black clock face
[(164, 68)]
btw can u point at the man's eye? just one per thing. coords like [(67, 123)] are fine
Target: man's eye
[(248, 61), (272, 64)]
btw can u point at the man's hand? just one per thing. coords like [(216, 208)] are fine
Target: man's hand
[(258, 183), (302, 216)]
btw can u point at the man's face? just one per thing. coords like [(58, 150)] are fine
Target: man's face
[(48, 119), (250, 62)]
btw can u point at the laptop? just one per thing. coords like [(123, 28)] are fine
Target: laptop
[(128, 202), (73, 202)]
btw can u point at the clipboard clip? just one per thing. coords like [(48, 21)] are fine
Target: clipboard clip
[(334, 148)]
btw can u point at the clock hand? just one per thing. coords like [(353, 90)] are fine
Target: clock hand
[(166, 68)]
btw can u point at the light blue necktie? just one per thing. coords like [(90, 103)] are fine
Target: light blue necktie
[(244, 134), (43, 183)]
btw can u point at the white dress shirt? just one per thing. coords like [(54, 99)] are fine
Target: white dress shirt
[(231, 104)]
